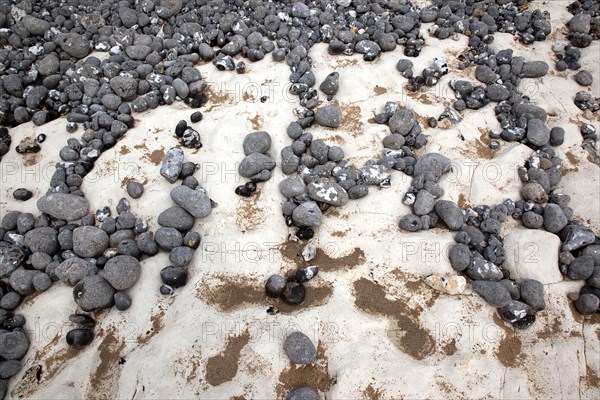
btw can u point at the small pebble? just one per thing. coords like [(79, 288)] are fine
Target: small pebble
[(299, 348), (22, 194), (587, 304), (275, 286), (240, 67), (494, 144), (166, 290), (80, 338), (307, 273), (135, 189), (41, 138), (174, 276), (242, 190), (303, 392), (122, 301), (294, 292), (587, 129), (72, 127), (196, 117), (180, 128), (305, 233)]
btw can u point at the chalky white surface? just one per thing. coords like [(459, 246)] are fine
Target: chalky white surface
[(359, 350)]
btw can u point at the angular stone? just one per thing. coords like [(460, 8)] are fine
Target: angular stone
[(532, 254)]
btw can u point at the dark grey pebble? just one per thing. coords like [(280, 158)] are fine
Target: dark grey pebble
[(532, 293), (41, 282), (176, 217), (481, 269), (147, 244), (410, 223), (196, 117), (89, 241), (275, 286), (192, 240), (122, 272), (80, 337), (93, 293), (587, 304), (329, 116), (174, 276), (135, 189), (532, 220), (122, 301), (9, 368), (294, 292), (243, 191), (166, 290), (584, 78), (581, 268), (557, 136), (10, 301), (13, 345), (299, 348), (181, 256), (302, 393), (494, 293), (460, 257), (168, 238), (554, 218), (450, 214)]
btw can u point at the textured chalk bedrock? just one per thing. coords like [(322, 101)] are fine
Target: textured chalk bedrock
[(532, 254), (496, 179)]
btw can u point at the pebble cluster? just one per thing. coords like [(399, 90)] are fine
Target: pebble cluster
[(152, 49), (543, 207), (176, 234), (291, 289)]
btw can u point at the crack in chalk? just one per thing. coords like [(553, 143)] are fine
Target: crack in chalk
[(137, 382), (559, 102), (584, 358), (503, 383), (471, 170), (557, 368), (372, 212)]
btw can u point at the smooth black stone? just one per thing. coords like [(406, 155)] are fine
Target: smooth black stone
[(174, 276), (275, 286), (196, 117), (305, 233), (180, 128), (294, 293), (242, 190), (166, 290), (22, 194), (79, 338)]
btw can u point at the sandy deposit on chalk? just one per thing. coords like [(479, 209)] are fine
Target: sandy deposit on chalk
[(381, 332)]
